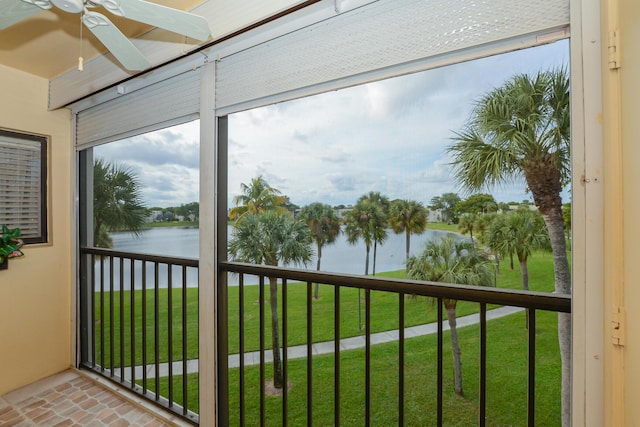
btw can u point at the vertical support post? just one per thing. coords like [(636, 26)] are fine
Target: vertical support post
[(86, 283), (615, 217), (221, 289), (207, 267)]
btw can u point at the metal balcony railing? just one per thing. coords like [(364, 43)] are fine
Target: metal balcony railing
[(532, 302), (138, 321), (136, 326)]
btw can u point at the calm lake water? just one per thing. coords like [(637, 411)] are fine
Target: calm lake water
[(341, 257)]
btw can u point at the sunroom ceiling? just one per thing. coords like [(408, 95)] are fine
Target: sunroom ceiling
[(48, 44)]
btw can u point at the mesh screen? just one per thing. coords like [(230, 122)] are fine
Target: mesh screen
[(382, 34)]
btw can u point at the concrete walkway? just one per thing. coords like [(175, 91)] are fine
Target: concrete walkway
[(327, 347)]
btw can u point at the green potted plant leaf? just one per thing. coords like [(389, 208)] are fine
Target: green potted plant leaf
[(10, 244)]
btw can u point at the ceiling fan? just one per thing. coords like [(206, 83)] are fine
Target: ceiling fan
[(177, 21)]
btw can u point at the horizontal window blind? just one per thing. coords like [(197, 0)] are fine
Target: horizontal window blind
[(375, 37), (23, 184), (170, 101)]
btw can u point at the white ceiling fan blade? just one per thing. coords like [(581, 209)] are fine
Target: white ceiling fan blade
[(174, 20), (111, 37), (14, 11)]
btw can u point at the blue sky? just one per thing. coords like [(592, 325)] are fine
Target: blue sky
[(388, 136)]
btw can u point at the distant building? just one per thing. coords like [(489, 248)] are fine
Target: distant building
[(435, 215), (153, 215)]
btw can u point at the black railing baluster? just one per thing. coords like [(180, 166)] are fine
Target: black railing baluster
[(144, 327), (483, 366), (121, 312), (92, 297), (401, 359), (367, 355), (440, 347), (262, 378), (336, 350), (170, 329), (132, 323), (241, 347), (531, 376), (111, 314), (285, 356), (102, 339), (185, 397), (156, 328), (309, 355)]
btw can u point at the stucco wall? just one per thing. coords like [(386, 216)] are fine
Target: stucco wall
[(35, 292)]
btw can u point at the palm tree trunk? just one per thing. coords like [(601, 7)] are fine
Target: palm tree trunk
[(407, 245), (375, 252), (366, 262), (545, 184), (524, 274), (366, 272), (450, 305), (275, 332), (555, 225)]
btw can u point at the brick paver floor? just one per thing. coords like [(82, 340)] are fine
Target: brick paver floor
[(73, 399)]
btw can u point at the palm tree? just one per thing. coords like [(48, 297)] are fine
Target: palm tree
[(522, 129), (365, 222), (467, 223), (380, 232), (257, 197), (492, 240), (325, 228), (117, 202), (520, 233), (407, 216), (271, 238), (451, 261)]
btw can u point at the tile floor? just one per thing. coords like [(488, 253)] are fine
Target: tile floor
[(73, 398)]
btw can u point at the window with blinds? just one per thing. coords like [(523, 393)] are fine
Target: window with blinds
[(23, 184)]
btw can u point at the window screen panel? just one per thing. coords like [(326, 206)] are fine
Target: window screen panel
[(380, 35), (23, 198)]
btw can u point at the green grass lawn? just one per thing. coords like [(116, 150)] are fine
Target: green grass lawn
[(506, 383), (443, 226)]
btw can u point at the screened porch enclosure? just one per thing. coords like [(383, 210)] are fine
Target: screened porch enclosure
[(190, 328)]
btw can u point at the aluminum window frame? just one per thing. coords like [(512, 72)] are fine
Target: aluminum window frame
[(41, 144)]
